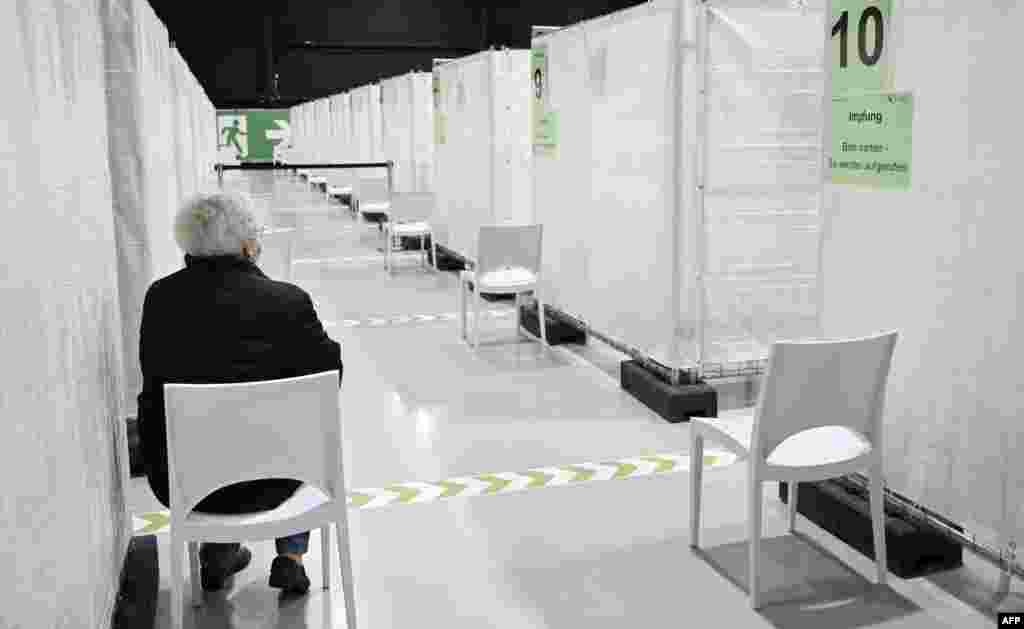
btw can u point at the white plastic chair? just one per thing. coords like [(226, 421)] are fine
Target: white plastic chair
[(340, 183), (508, 262), (407, 219), (819, 416), (372, 192), (289, 428)]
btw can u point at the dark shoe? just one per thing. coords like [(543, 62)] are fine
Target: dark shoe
[(216, 568), (288, 575)]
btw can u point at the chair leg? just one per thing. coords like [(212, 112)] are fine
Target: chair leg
[(345, 559), (433, 251), (325, 554), (519, 322), (387, 249), (177, 583), (197, 587), (423, 250), (756, 500), (793, 493), (696, 478), (877, 498), (463, 287), (543, 325), (476, 315)]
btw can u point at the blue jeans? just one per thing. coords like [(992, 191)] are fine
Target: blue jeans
[(296, 544)]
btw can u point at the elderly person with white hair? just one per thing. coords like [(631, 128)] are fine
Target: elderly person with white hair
[(219, 320)]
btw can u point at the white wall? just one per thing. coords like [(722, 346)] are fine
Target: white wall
[(941, 263), (62, 494)]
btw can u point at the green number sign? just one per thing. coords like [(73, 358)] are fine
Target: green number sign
[(858, 46)]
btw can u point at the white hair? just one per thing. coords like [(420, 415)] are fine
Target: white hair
[(215, 224)]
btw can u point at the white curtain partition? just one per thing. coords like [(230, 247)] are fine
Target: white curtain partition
[(484, 167), (710, 276), (940, 262), (760, 228), (367, 134), (606, 197), (103, 131), (407, 116), (153, 162)]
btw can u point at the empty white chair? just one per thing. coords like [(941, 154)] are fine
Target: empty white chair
[(340, 183), (372, 193), (407, 219), (819, 416), (508, 262), (290, 428)]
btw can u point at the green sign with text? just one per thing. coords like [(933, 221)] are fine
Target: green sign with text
[(872, 140), (545, 121), (858, 49)]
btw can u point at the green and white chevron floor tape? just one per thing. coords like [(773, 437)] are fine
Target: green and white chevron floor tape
[(420, 318), (494, 484)]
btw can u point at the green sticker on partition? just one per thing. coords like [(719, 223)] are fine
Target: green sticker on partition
[(872, 140), (859, 46), (439, 119), (544, 121)]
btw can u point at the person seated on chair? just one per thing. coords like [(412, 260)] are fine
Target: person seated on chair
[(221, 320)]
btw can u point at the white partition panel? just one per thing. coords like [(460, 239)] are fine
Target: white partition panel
[(941, 263), (423, 132), (762, 182), (366, 120), (483, 168), (708, 266), (407, 116), (605, 197), (396, 127)]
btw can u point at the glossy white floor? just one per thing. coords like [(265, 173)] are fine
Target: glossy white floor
[(419, 405)]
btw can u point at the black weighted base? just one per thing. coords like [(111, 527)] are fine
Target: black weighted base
[(674, 403), (842, 508), (136, 465), (140, 584), (559, 331), (412, 243), (446, 261)]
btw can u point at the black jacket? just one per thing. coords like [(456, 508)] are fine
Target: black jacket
[(221, 320)]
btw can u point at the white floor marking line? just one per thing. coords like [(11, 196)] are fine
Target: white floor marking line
[(418, 492)]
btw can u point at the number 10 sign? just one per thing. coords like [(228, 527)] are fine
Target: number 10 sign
[(858, 46)]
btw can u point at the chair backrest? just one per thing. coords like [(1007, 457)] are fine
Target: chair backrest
[(823, 383), (221, 434), (411, 206), (515, 246)]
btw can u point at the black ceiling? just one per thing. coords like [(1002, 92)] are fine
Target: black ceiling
[(316, 48)]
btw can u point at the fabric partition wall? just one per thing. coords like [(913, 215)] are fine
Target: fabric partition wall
[(606, 194), (710, 230), (936, 262), (407, 115), (483, 167), (422, 131), (366, 123), (761, 183), (143, 167), (396, 130), (66, 528)]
